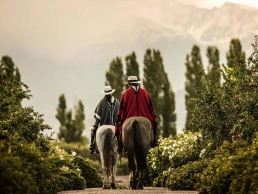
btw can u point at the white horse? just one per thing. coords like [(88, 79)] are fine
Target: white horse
[(107, 146)]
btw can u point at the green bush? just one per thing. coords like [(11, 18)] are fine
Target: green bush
[(88, 172), (80, 149), (15, 176), (184, 177), (171, 154), (233, 170)]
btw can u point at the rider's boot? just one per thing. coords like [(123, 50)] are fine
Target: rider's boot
[(155, 142), (93, 149), (120, 146)]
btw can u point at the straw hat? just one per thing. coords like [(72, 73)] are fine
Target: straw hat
[(108, 90), (132, 80)]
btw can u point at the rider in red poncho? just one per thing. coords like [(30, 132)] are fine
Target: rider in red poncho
[(135, 102)]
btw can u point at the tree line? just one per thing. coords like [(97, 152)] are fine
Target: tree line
[(155, 81)]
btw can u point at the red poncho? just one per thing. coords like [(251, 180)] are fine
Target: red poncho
[(135, 103)]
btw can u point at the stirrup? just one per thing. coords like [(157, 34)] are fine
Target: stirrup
[(93, 150)]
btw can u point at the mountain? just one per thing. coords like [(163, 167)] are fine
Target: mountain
[(171, 27)]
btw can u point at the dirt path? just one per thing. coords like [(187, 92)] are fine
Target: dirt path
[(149, 190), (124, 180)]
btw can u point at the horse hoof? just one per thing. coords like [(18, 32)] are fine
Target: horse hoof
[(113, 186), (133, 185), (140, 187), (106, 187)]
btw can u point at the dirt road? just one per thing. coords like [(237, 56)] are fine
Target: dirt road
[(123, 180), (147, 190)]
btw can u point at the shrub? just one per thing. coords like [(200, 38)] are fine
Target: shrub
[(171, 154), (80, 149), (88, 172), (233, 170), (15, 176), (185, 177)]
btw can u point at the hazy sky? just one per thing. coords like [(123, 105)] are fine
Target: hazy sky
[(217, 3), (53, 34), (66, 25)]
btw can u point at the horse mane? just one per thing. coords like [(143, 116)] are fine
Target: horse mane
[(138, 145), (107, 146)]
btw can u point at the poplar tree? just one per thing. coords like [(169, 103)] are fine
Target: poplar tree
[(79, 121), (132, 66), (11, 69), (71, 129), (114, 77), (168, 109), (235, 52), (214, 67), (193, 81), (61, 117), (156, 82)]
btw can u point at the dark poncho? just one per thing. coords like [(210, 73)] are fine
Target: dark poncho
[(106, 112)]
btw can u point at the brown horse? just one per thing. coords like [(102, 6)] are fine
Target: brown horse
[(137, 136)]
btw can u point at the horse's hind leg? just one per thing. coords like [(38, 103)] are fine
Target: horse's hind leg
[(132, 168), (112, 184), (106, 179), (140, 185)]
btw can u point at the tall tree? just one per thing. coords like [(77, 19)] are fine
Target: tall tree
[(114, 77), (61, 116), (193, 82), (214, 67), (235, 52), (132, 66), (79, 121), (155, 81), (71, 129), (168, 109), (11, 69)]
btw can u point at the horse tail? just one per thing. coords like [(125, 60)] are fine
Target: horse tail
[(107, 147), (138, 145)]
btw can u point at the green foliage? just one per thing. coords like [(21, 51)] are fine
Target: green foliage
[(88, 172), (80, 149), (114, 77), (15, 176), (193, 82), (234, 52), (233, 170), (168, 109), (214, 67), (172, 153), (132, 66), (29, 162), (71, 129), (79, 121), (11, 69), (229, 111), (185, 177), (71, 181), (157, 84), (61, 115)]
